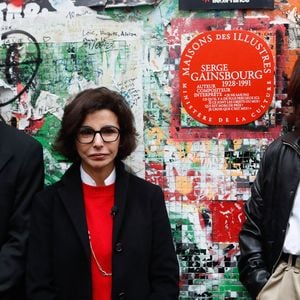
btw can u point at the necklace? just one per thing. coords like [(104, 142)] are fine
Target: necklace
[(102, 271)]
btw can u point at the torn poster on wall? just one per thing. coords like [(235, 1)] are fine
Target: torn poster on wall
[(58, 5), (225, 4), (114, 3), (43, 66)]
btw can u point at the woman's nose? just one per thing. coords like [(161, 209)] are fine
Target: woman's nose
[(98, 139)]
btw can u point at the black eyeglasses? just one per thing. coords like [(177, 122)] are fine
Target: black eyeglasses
[(86, 134)]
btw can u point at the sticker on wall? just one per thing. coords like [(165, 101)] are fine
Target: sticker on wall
[(226, 77), (225, 4)]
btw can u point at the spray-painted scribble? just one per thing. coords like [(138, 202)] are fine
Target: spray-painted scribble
[(14, 62)]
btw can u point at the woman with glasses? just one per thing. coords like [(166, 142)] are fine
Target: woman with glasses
[(100, 233)]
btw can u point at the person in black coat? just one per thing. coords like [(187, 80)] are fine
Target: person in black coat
[(100, 233), (269, 240), (21, 176)]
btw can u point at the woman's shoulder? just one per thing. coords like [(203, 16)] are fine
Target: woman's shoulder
[(45, 199), (288, 139), (49, 190), (279, 150), (274, 146)]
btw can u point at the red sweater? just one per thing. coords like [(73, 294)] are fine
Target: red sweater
[(98, 202)]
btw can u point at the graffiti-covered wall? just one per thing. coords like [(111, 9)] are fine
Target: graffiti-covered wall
[(49, 50)]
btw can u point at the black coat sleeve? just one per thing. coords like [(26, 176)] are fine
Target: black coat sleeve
[(164, 270), (252, 267), (39, 269), (27, 163)]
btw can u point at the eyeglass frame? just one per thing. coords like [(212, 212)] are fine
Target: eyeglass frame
[(99, 131)]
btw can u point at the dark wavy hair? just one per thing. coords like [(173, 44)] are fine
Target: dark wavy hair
[(89, 101), (294, 94)]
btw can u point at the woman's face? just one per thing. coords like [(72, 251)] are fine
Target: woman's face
[(98, 157)]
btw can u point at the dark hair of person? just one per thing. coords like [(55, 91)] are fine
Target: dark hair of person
[(89, 101), (294, 94)]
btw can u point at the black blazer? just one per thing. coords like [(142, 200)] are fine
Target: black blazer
[(21, 175), (144, 263)]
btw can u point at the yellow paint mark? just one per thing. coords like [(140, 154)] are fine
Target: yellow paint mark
[(184, 184)]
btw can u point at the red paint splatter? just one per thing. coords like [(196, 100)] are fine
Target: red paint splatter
[(227, 220), (17, 2)]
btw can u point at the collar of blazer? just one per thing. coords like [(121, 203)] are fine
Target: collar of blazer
[(71, 195)]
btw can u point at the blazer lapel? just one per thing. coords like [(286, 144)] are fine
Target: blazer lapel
[(120, 199), (4, 157), (72, 196)]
